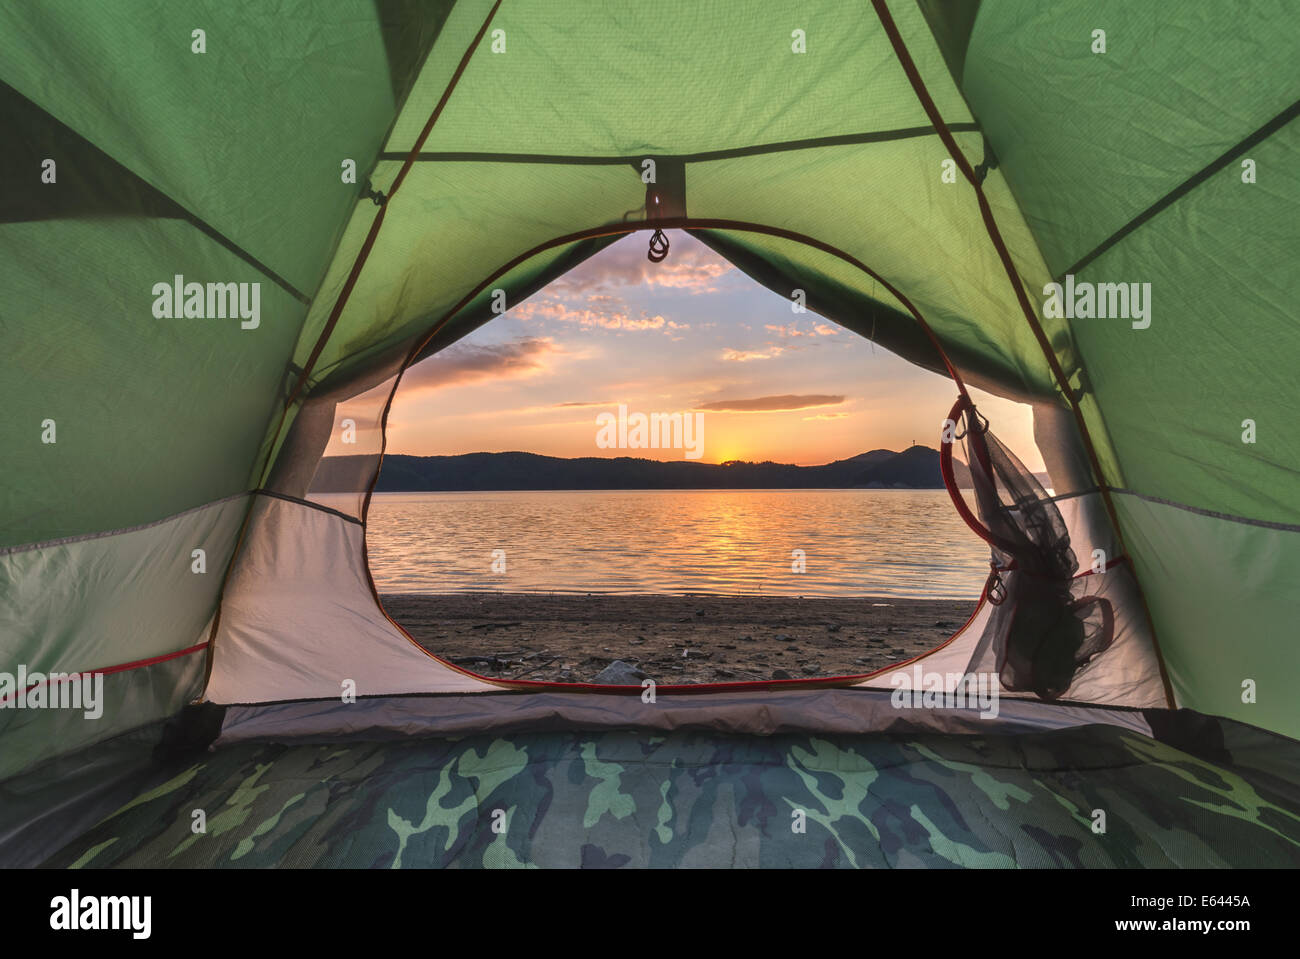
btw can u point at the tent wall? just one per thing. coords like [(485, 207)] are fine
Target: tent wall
[(131, 699), (109, 602), (219, 166), (1129, 168)]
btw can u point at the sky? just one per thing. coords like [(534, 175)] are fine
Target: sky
[(690, 334)]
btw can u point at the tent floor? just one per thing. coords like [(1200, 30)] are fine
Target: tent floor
[(693, 798)]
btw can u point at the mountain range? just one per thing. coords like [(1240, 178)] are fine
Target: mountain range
[(913, 468)]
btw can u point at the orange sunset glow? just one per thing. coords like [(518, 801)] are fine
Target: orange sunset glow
[(692, 335)]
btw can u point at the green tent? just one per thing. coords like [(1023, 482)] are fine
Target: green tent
[(227, 228)]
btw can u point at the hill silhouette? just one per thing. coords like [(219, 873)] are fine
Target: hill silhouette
[(913, 468)]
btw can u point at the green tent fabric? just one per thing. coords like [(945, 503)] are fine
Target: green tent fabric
[(382, 172)]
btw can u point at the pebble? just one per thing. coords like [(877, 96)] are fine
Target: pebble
[(619, 673)]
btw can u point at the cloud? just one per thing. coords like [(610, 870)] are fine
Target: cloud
[(826, 416), (643, 322), (472, 363), (696, 276), (819, 329), (606, 319), (771, 404), (746, 356), (770, 349), (691, 266)]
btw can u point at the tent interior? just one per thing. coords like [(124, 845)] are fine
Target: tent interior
[(371, 184)]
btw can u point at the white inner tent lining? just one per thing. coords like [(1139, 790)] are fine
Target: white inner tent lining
[(299, 621)]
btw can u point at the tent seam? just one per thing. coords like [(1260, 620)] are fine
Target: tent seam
[(779, 686), (84, 537), (1215, 514), (703, 156), (1183, 189), (110, 670), (190, 217), (299, 501)]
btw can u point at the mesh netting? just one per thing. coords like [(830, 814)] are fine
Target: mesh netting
[(1047, 624)]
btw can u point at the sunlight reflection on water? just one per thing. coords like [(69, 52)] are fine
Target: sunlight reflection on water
[(907, 543)]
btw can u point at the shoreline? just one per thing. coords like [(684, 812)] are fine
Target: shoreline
[(688, 638)]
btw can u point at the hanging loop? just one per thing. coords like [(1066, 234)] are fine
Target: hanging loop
[(658, 247)]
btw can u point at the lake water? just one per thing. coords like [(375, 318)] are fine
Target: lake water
[(907, 543)]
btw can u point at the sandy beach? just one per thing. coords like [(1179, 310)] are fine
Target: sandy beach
[(673, 639)]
